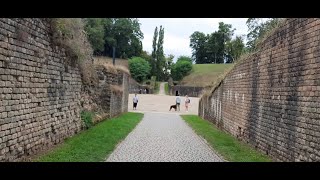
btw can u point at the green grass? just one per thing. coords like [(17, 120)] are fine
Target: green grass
[(204, 74), (226, 145), (166, 88), (96, 143)]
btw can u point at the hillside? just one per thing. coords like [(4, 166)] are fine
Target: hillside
[(100, 59), (203, 75)]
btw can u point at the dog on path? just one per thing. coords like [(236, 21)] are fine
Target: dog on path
[(174, 107)]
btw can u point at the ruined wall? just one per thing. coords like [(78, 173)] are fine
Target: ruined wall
[(185, 90), (38, 93), (272, 99), (41, 96), (102, 99), (134, 87)]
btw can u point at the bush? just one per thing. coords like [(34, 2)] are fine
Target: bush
[(139, 68), (86, 116), (184, 58), (181, 69)]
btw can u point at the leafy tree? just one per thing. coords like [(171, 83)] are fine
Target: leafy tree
[(198, 42), (217, 47), (160, 55), (257, 28), (139, 68), (154, 52), (184, 58), (234, 49), (95, 31), (122, 33), (167, 67), (181, 69), (145, 55)]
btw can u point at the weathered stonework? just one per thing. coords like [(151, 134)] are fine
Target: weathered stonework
[(271, 100), (41, 97), (39, 94), (186, 90)]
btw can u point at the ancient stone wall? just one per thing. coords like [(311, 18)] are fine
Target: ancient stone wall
[(41, 96), (39, 93), (185, 90), (271, 99)]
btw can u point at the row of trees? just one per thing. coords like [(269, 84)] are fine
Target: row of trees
[(219, 47), (141, 69), (122, 33)]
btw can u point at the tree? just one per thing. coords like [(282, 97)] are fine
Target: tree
[(154, 52), (145, 55), (257, 28), (212, 48), (95, 31), (122, 33), (139, 68), (160, 55), (198, 42), (181, 69), (234, 49), (168, 66), (184, 58)]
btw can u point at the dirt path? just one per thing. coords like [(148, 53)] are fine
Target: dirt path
[(162, 103), (161, 90)]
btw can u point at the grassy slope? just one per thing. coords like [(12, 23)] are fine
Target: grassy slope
[(204, 74), (96, 143), (225, 144)]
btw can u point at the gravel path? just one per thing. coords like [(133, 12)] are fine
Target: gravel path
[(163, 137)]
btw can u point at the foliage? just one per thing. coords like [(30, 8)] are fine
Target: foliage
[(257, 28), (139, 68), (160, 65), (184, 58), (122, 33), (181, 69), (86, 117), (217, 47)]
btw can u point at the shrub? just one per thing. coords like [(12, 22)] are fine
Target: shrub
[(86, 116), (139, 68), (181, 69)]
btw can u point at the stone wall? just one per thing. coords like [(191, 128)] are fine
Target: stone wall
[(39, 94), (185, 90), (102, 100), (41, 97), (134, 87), (271, 99)]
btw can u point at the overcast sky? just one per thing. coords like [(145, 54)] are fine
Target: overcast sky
[(177, 31)]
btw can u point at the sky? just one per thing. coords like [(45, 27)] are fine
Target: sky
[(177, 31)]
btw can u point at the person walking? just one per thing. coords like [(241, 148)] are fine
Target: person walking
[(135, 102), (178, 100), (187, 102)]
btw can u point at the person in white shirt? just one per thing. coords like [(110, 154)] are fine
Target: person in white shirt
[(178, 100), (135, 102)]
